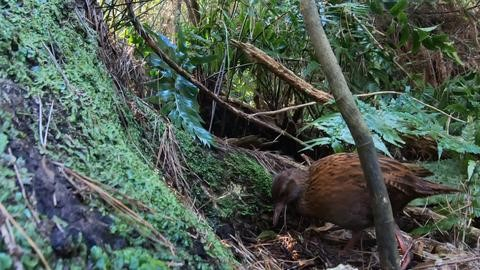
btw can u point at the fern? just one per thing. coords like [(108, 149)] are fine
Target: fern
[(175, 95), (401, 116)]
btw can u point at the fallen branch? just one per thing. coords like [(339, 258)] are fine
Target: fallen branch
[(152, 44), (284, 73)]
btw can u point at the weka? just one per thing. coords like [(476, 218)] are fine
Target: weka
[(334, 190)]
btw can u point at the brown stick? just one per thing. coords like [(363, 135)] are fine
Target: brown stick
[(13, 249), (22, 189), (284, 73), (151, 43), (284, 109), (382, 211)]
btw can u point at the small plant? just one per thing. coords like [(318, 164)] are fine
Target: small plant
[(175, 95)]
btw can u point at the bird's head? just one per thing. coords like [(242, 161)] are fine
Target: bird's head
[(286, 189)]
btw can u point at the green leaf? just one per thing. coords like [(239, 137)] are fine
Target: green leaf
[(316, 142), (398, 7), (404, 35), (337, 146), (471, 167), (5, 261), (380, 145), (455, 57), (428, 43), (376, 6), (468, 133), (423, 230), (267, 235), (402, 19), (422, 35), (427, 29), (310, 68), (416, 42), (447, 223), (176, 96), (204, 59)]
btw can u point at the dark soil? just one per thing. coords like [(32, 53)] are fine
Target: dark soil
[(55, 197)]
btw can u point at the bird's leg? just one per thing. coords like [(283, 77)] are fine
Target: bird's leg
[(356, 235), (407, 256)]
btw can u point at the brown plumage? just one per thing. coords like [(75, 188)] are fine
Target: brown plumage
[(334, 190)]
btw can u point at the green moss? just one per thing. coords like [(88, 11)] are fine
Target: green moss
[(11, 197), (87, 135), (240, 185), (248, 171)]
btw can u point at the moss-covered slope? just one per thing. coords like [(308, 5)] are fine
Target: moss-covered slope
[(47, 49)]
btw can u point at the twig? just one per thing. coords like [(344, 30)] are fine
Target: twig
[(48, 124), (230, 68), (473, 233), (172, 159), (417, 100), (34, 246), (22, 187), (14, 250), (216, 90), (41, 134), (382, 212), (40, 119), (283, 109), (57, 66)]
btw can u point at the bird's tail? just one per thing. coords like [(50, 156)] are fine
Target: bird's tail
[(427, 188)]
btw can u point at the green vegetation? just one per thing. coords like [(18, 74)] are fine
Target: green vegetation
[(86, 135), (238, 183), (175, 95)]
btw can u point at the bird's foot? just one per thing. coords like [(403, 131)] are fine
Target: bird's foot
[(407, 255)]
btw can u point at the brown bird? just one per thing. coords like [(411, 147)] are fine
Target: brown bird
[(334, 190)]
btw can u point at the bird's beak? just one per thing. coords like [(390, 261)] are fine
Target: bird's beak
[(277, 211)]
